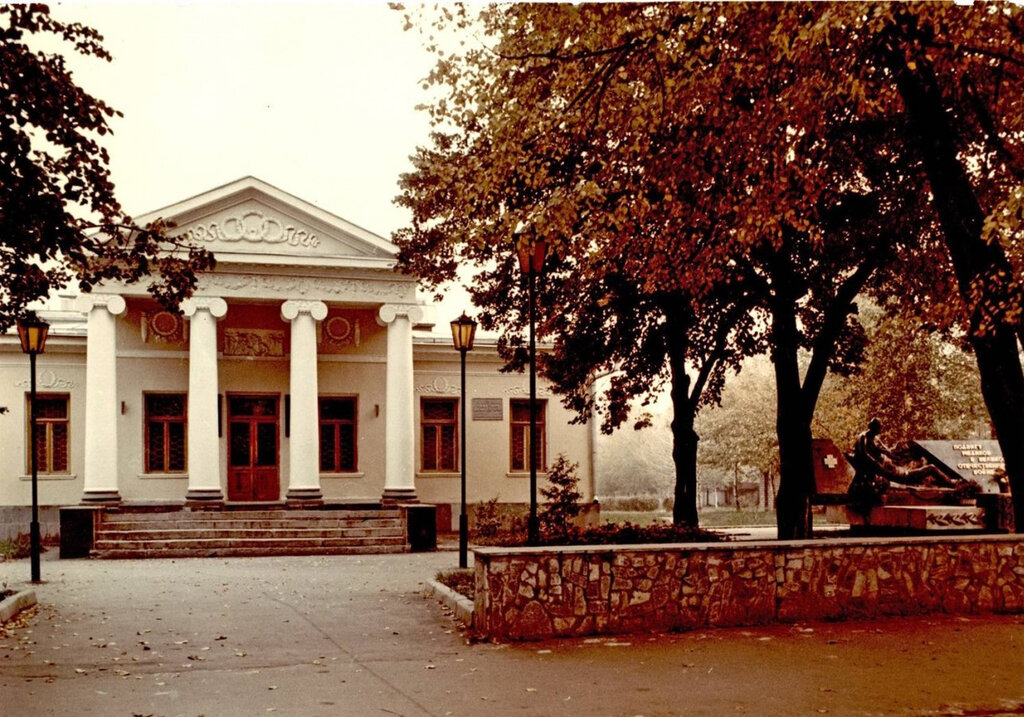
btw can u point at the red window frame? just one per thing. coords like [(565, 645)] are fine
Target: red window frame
[(53, 439), (439, 435), (340, 434), (519, 435), (164, 430)]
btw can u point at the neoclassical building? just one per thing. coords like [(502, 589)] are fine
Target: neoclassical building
[(303, 370)]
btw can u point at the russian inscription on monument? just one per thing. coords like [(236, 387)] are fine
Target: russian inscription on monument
[(977, 460)]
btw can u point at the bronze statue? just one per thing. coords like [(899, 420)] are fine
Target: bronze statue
[(878, 470)]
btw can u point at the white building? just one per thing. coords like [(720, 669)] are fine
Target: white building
[(300, 371)]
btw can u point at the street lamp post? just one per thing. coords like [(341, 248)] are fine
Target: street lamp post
[(32, 333), (463, 333), (531, 262)]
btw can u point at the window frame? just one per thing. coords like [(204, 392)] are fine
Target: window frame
[(165, 421), (45, 428), (438, 425), (336, 434), (523, 427)]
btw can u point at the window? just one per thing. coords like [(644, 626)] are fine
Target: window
[(53, 426), (438, 418), (165, 432), (519, 440), (338, 435)]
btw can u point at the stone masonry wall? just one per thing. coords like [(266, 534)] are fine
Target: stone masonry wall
[(538, 593)]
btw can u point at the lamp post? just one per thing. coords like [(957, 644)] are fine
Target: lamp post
[(32, 333), (531, 262), (463, 333)]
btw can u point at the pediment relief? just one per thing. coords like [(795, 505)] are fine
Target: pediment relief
[(248, 218), (255, 228)]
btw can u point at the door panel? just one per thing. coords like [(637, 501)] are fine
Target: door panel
[(253, 473)]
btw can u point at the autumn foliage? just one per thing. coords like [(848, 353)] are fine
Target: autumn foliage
[(721, 180)]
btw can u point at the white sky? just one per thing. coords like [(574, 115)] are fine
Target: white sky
[(316, 99)]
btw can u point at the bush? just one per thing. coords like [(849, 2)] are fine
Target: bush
[(612, 534), (563, 499), (488, 520), (630, 533), (16, 548)]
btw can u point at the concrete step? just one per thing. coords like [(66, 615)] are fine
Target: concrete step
[(249, 551), (250, 533), (226, 542), (232, 524), (117, 516), (184, 533)]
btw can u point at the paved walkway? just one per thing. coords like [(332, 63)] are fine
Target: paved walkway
[(309, 636)]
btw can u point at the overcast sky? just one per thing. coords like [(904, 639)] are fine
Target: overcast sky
[(316, 99)]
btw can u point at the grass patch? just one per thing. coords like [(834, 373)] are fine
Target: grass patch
[(731, 518), (460, 580)]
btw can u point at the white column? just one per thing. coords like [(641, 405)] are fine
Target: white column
[(399, 403), (304, 434), (203, 441), (99, 483)]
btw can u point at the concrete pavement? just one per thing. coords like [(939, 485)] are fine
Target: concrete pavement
[(354, 635)]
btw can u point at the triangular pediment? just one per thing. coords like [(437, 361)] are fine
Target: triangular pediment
[(249, 221)]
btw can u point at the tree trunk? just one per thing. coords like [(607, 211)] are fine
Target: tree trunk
[(684, 452), (796, 483), (974, 261), (684, 442), (793, 420)]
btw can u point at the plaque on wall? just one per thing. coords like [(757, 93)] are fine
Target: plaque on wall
[(487, 409)]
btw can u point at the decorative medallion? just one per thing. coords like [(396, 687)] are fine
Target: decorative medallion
[(341, 331), (48, 380), (162, 327), (439, 385)]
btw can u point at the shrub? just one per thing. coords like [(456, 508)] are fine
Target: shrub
[(488, 519), (15, 548), (629, 533), (563, 499)]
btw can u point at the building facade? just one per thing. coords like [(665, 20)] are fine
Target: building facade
[(301, 370)]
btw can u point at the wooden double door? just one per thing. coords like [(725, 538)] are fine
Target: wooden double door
[(253, 448)]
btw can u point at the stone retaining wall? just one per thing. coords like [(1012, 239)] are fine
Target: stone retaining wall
[(537, 593)]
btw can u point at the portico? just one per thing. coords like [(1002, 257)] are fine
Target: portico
[(296, 293)]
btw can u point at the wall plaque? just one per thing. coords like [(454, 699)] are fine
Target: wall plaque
[(487, 409)]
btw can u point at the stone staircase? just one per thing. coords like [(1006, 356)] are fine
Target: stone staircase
[(208, 533)]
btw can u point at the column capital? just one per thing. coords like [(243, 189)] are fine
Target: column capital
[(114, 303), (389, 312), (293, 307), (214, 304)]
